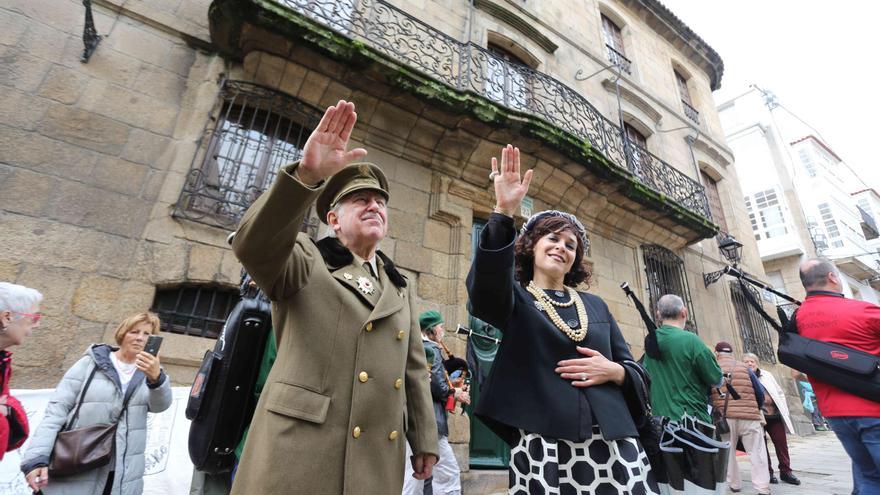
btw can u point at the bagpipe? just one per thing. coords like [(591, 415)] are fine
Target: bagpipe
[(851, 370), (457, 374), (685, 453), (222, 398), (652, 348)]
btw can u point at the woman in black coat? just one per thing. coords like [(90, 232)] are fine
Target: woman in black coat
[(556, 389)]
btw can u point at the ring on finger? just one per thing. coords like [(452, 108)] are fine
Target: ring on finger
[(493, 174), (584, 377)]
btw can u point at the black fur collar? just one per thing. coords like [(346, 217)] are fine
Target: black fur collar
[(336, 255)]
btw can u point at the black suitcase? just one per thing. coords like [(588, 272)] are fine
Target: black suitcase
[(221, 401)]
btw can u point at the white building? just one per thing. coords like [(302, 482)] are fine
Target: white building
[(800, 197)]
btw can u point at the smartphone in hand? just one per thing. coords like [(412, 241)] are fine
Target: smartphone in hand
[(153, 344)]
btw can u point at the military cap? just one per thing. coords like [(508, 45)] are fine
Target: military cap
[(355, 177), (429, 320)]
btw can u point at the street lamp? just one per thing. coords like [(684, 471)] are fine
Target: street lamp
[(732, 251)]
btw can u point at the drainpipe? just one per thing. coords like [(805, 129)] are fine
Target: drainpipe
[(690, 140)]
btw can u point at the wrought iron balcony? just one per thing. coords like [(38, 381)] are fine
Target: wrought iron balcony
[(619, 60), (468, 68), (690, 112)]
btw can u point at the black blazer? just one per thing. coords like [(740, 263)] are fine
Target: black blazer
[(523, 391)]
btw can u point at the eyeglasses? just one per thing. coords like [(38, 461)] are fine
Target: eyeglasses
[(34, 317)]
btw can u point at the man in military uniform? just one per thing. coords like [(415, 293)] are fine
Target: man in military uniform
[(349, 379)]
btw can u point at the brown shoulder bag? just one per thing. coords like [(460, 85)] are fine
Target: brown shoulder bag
[(83, 449)]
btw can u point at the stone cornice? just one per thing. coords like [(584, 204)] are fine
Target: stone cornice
[(699, 51)]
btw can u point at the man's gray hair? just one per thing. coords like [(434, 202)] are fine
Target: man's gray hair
[(18, 298), (337, 209), (814, 272), (670, 306), (752, 356)]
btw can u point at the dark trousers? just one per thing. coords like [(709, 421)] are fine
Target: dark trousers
[(776, 429)]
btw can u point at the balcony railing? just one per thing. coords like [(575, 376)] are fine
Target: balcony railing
[(467, 67), (618, 59), (690, 112)]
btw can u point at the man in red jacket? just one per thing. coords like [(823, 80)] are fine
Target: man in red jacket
[(827, 316)]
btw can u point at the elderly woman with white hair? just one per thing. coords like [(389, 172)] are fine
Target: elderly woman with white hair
[(775, 412), (19, 315)]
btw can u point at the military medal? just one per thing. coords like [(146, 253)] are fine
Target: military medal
[(346, 276), (365, 286)]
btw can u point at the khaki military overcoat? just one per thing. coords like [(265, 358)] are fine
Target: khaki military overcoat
[(350, 383)]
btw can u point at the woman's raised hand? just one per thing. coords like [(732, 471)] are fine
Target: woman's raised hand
[(325, 152), (510, 188)]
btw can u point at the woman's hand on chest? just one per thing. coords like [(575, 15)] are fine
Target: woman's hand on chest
[(592, 369)]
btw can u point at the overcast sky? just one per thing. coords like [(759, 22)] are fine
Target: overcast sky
[(819, 58)]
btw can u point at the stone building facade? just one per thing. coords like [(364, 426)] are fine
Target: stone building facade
[(123, 175)]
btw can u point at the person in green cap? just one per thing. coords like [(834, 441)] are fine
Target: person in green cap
[(348, 382), (447, 475)]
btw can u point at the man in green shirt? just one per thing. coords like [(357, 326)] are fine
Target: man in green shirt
[(681, 379)]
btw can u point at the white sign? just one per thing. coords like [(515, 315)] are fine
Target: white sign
[(168, 468), (526, 206)]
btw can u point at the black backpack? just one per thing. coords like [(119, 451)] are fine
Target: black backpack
[(221, 401)]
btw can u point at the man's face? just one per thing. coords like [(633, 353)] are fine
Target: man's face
[(362, 218), (439, 332)]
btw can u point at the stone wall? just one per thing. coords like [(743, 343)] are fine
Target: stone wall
[(87, 149)]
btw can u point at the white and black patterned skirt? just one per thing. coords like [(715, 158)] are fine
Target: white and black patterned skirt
[(545, 466)]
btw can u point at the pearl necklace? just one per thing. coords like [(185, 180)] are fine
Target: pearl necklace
[(545, 303)]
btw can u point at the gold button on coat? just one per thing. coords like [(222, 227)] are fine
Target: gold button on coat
[(356, 432), (363, 376), (369, 327), (398, 383), (393, 435), (400, 335)]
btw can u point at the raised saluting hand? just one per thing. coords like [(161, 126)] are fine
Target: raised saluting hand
[(510, 187), (326, 150)]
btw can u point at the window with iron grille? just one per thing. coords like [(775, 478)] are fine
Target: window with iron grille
[(196, 310), (255, 132), (666, 275), (613, 38), (753, 329)]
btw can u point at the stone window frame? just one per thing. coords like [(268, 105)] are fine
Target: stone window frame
[(682, 79), (666, 274), (503, 79), (622, 42), (253, 131)]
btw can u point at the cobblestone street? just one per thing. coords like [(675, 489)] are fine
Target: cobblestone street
[(818, 460)]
